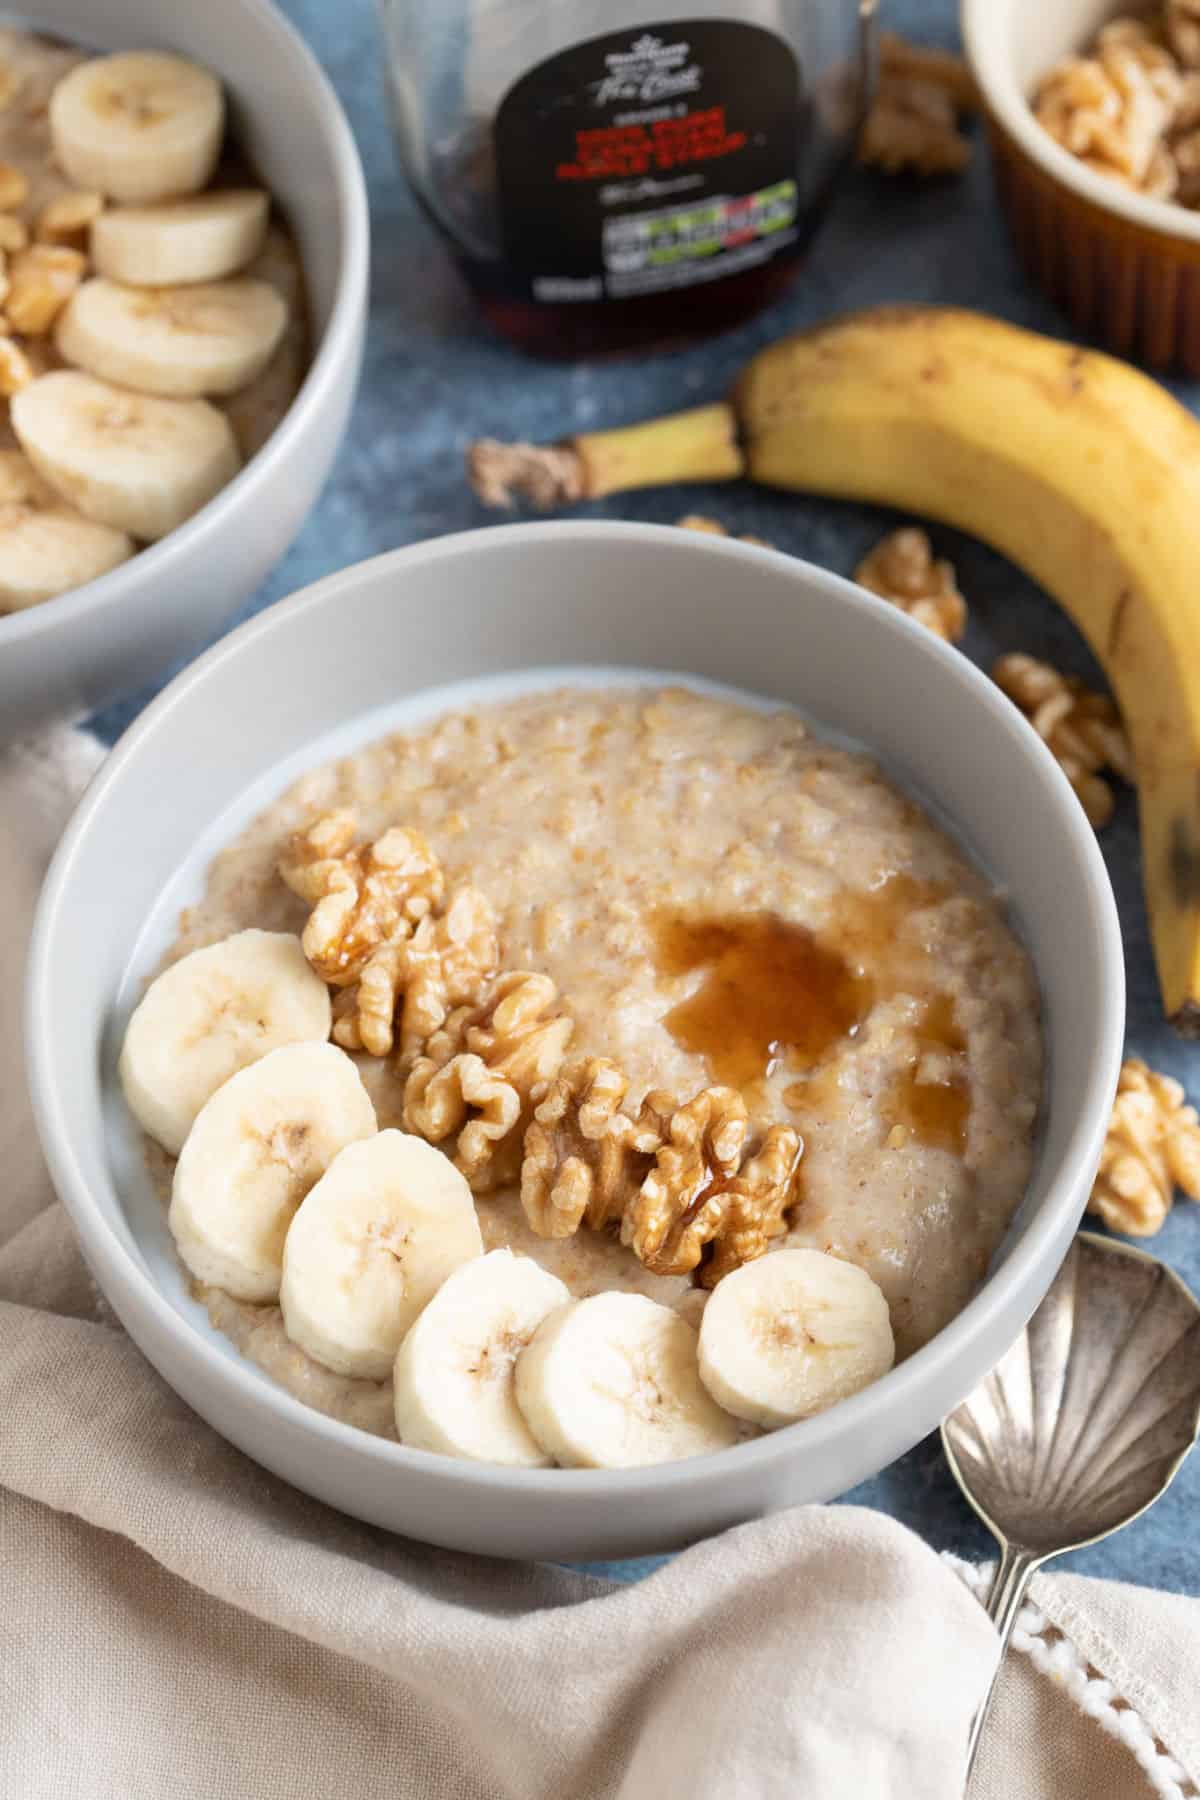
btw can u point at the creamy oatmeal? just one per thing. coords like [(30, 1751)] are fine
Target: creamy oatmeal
[(719, 896)]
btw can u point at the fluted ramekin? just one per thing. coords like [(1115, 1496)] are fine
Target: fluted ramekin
[(1124, 267)]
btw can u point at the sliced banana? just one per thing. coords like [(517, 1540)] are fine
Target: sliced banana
[(791, 1334), (141, 125), (611, 1382), (371, 1245), (46, 546), (454, 1374), (210, 1014), (256, 1148), (132, 461), (198, 239), (179, 342)]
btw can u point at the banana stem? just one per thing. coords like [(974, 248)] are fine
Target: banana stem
[(697, 445)]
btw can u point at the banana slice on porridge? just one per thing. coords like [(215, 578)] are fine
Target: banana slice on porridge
[(612, 1382), (45, 545), (454, 1385), (791, 1334), (209, 1015), (202, 238), (136, 462), (139, 125), (212, 337), (371, 1245), (264, 1139)]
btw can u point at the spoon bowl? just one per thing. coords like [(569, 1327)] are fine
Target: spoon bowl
[(1083, 1423)]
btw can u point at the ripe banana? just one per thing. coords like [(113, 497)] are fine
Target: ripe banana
[(1083, 471), (791, 1334), (133, 461), (46, 546), (611, 1382), (210, 1014), (211, 337), (454, 1386), (373, 1242), (256, 1148), (140, 125), (198, 239)]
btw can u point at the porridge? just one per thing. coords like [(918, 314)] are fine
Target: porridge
[(153, 320), (696, 920)]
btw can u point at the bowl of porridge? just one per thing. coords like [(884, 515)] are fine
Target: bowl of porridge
[(184, 233), (1094, 115), (620, 1044)]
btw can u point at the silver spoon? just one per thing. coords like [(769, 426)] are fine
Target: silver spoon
[(1083, 1423)]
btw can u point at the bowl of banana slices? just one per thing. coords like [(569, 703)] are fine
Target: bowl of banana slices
[(564, 1109), (184, 241)]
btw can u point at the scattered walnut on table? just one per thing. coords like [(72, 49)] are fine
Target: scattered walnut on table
[(1082, 729), (913, 121), (714, 528), (903, 569), (1152, 1147)]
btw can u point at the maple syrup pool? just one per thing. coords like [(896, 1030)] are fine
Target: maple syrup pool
[(721, 895)]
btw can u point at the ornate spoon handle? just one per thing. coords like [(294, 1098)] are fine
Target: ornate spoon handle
[(1003, 1605)]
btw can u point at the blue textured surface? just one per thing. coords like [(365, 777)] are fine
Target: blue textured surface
[(436, 377)]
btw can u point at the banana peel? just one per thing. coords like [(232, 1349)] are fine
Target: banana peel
[(1081, 470)]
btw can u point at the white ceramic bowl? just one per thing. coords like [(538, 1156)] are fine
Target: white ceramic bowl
[(350, 659), (105, 639), (1125, 267)]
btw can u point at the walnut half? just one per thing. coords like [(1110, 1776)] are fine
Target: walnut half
[(1152, 1147)]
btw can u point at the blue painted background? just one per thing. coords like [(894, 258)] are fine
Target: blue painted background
[(435, 378)]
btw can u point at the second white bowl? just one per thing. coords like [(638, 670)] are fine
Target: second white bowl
[(84, 649)]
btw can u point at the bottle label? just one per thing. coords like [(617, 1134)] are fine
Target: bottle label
[(650, 159)]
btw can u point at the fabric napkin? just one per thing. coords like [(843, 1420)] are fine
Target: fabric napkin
[(176, 1622)]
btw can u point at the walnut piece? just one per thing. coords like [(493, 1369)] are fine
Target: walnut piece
[(756, 1203), (1152, 1147), (484, 1070), (1082, 729), (362, 896), (14, 234), (447, 962), (584, 1159), (919, 62), (678, 1208), (912, 126), (903, 569)]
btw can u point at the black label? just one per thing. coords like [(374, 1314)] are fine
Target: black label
[(649, 159)]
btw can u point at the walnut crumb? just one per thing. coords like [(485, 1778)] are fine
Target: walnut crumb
[(14, 188), (1082, 729), (67, 219), (903, 569), (14, 233), (1152, 1148), (15, 370), (42, 279)]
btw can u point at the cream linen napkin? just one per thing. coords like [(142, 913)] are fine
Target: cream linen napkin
[(175, 1622)]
